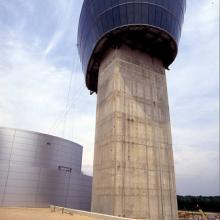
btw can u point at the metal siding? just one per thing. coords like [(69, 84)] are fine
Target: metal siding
[(29, 174)]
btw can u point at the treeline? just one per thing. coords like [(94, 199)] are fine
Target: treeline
[(192, 203)]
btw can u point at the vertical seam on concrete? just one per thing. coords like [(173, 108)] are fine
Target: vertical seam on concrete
[(123, 147), (115, 191), (157, 145), (161, 186), (169, 149), (146, 125), (170, 178)]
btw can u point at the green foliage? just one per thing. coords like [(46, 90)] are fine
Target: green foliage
[(193, 203)]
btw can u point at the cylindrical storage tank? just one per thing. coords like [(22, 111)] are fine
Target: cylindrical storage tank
[(152, 26), (38, 169)]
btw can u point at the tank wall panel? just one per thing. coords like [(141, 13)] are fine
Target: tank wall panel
[(30, 174)]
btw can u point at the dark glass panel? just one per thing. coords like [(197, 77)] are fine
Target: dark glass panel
[(116, 16), (158, 17), (137, 13), (123, 14), (152, 14), (130, 13), (145, 13)]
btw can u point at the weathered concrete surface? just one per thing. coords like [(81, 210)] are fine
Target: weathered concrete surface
[(133, 160)]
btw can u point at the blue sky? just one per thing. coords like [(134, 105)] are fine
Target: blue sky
[(42, 85)]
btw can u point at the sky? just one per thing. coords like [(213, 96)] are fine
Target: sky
[(42, 86)]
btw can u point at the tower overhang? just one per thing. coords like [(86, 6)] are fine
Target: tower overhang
[(148, 39)]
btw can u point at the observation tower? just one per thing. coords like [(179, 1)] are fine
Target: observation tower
[(125, 48)]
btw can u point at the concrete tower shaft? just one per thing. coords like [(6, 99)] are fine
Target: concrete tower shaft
[(125, 47), (133, 163)]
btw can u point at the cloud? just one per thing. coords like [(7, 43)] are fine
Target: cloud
[(63, 11), (26, 81)]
